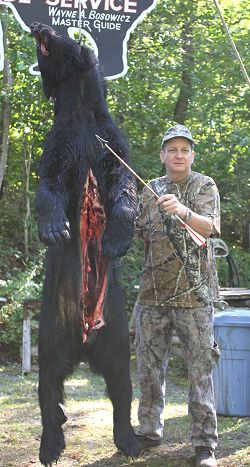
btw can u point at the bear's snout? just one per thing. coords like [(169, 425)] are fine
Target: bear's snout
[(34, 26)]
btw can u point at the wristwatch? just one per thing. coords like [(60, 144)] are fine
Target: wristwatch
[(188, 215)]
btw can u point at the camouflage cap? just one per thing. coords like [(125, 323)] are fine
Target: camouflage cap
[(175, 132)]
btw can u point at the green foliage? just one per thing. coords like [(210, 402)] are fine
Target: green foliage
[(130, 270), (241, 260), (25, 284), (218, 111)]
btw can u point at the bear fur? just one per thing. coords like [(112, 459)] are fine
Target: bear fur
[(85, 207)]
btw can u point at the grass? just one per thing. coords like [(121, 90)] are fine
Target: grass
[(88, 431)]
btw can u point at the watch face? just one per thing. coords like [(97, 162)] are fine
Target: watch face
[(188, 215)]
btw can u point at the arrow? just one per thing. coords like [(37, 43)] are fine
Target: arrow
[(199, 239)]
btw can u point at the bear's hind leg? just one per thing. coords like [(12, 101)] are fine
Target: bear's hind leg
[(58, 354), (110, 356), (51, 398)]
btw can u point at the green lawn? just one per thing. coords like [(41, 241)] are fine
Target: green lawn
[(88, 431)]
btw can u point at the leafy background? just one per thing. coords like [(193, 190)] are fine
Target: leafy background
[(181, 69)]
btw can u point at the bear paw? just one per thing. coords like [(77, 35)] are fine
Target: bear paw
[(127, 442), (55, 232), (116, 239), (52, 444)]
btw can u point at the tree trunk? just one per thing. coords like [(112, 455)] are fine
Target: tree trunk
[(27, 218), (7, 82), (186, 90)]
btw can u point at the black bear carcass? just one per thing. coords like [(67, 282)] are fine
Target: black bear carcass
[(85, 206)]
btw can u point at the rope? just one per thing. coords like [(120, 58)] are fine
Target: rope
[(80, 21), (236, 53)]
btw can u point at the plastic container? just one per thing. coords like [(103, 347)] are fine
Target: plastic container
[(232, 374)]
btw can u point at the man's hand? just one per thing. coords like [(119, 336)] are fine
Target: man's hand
[(202, 224), (171, 205)]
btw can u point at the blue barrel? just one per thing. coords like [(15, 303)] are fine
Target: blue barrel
[(232, 374)]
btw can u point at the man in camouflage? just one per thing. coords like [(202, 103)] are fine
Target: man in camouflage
[(176, 292)]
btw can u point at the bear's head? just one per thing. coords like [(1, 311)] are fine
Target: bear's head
[(59, 57)]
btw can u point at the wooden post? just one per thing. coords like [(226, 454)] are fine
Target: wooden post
[(30, 310)]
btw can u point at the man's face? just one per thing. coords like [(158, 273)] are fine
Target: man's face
[(178, 157)]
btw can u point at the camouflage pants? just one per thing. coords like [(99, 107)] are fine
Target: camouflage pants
[(154, 326)]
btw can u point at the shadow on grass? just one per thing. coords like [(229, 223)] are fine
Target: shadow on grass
[(234, 437), (157, 457)]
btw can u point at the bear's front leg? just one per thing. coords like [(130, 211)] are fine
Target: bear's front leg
[(53, 224), (118, 189), (118, 235)]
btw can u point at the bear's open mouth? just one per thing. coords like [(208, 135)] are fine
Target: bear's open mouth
[(43, 49), (42, 42), (38, 30)]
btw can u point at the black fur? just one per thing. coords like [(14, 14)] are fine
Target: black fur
[(71, 77)]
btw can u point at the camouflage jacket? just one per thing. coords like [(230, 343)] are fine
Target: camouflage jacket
[(177, 272)]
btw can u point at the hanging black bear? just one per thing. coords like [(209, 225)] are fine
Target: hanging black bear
[(85, 206)]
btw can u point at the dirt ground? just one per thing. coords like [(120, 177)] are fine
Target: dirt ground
[(88, 431)]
